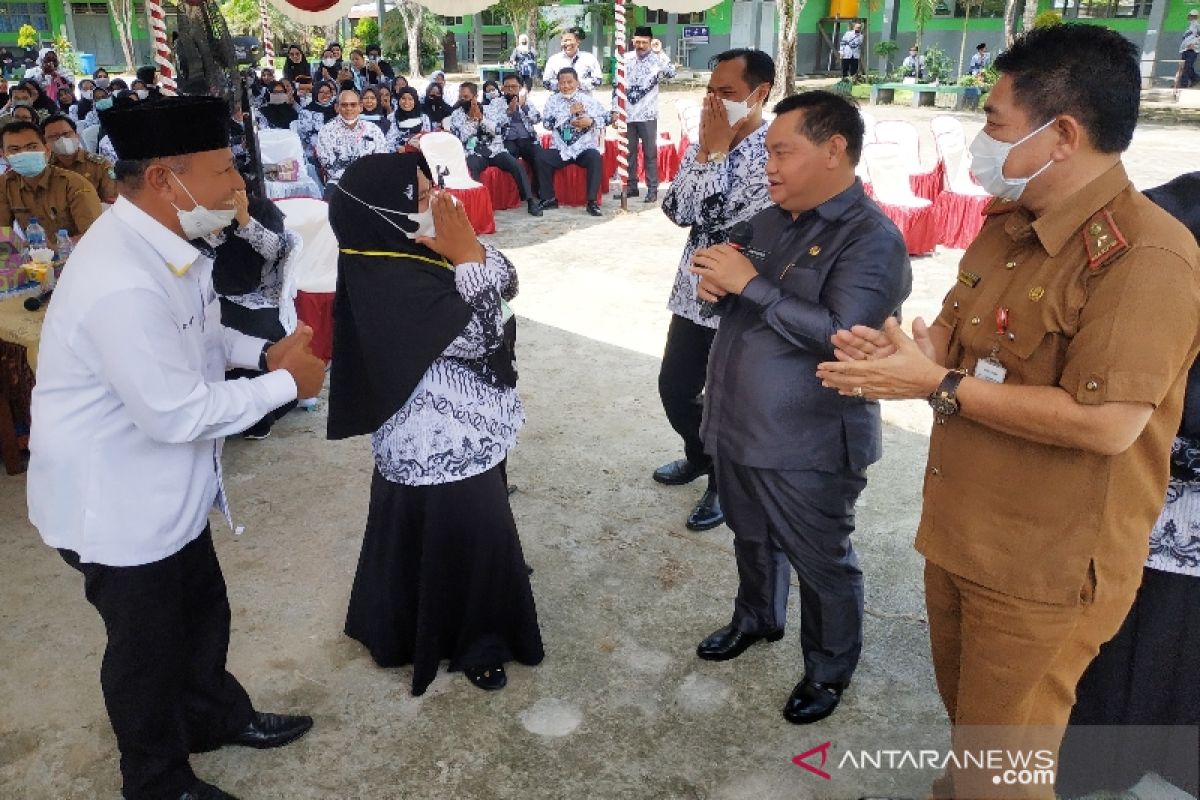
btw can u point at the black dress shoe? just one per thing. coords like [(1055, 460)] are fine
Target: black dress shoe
[(205, 791), (490, 679), (707, 514), (677, 473), (594, 210), (651, 196), (812, 701), (729, 643), (272, 730), (535, 208), (549, 204), (632, 192)]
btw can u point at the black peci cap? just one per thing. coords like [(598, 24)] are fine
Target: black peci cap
[(168, 126)]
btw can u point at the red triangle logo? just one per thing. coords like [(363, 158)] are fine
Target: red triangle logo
[(802, 760)]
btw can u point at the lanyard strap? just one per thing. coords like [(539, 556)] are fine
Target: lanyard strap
[(393, 254)]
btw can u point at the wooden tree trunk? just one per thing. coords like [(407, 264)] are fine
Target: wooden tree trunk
[(414, 19), (1010, 22), (122, 12), (531, 27), (785, 60), (1031, 12)]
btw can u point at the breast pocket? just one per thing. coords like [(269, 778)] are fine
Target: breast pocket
[(1033, 351)]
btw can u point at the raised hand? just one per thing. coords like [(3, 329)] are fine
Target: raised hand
[(455, 238)]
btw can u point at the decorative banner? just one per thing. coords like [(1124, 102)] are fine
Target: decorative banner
[(162, 53), (622, 110), (326, 12), (268, 45)]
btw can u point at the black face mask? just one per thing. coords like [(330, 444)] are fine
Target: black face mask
[(508, 98), (465, 105)]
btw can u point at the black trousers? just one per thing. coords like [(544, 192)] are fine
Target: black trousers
[(801, 519), (849, 67), (528, 149), (1188, 77), (476, 164), (681, 385), (163, 676), (263, 323), (550, 162), (646, 135)]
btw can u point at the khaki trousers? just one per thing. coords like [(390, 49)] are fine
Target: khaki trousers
[(1011, 663)]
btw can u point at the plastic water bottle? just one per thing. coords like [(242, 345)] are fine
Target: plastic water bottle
[(64, 245), (35, 234)]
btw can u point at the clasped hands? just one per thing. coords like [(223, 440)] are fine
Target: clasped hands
[(883, 364)]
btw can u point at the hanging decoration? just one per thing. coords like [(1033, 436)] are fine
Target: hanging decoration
[(162, 52), (622, 103), (267, 38)]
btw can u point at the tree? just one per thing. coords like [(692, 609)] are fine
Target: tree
[(1010, 21), (413, 15), (397, 37), (922, 13), (123, 16), (244, 19), (785, 62), (367, 31), (522, 15), (962, 46)]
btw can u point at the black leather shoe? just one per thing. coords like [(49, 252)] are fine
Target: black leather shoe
[(594, 210), (272, 730), (535, 208), (632, 192), (677, 473), (729, 643), (812, 701), (707, 514), (549, 204), (651, 196), (205, 791), (490, 679)]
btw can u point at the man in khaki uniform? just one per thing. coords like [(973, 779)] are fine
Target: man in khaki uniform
[(68, 153), (33, 188), (1056, 370)]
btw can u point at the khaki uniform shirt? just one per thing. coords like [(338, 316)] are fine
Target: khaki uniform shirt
[(1103, 293), (97, 169), (58, 198)]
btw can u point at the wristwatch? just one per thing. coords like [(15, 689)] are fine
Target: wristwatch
[(262, 357), (944, 399), (717, 157)]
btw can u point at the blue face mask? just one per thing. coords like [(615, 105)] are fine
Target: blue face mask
[(104, 104), (28, 165)]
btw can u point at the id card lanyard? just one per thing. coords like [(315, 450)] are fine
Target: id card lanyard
[(990, 368)]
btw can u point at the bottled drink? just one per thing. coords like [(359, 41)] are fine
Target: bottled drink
[(65, 247), (35, 234)]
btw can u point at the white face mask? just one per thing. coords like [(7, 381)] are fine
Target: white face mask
[(86, 94), (66, 146), (737, 110), (423, 219), (329, 62), (278, 98), (200, 221), (143, 94), (987, 165)]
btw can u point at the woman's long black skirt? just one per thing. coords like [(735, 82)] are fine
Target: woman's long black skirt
[(442, 576)]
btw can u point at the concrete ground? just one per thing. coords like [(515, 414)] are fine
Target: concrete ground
[(621, 708)]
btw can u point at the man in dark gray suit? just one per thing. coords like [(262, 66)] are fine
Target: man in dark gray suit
[(791, 456)]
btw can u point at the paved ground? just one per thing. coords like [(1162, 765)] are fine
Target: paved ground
[(621, 708)]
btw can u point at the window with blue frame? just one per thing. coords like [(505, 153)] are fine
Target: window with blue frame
[(14, 15)]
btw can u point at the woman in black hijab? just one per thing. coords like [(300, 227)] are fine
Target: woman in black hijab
[(296, 64), (279, 111), (423, 361), (436, 107), (408, 121)]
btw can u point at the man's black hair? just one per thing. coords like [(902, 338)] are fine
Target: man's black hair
[(565, 70), (374, 48), (48, 121), (1086, 71), (577, 32), (760, 67), (826, 114), (470, 86), (18, 125), (981, 46)]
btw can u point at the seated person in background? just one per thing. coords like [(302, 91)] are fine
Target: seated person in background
[(248, 275), (435, 106), (328, 67), (101, 100), (67, 153), (33, 188), (386, 106), (491, 91), (409, 120), (371, 111), (48, 75), (148, 76), (87, 88), (375, 56), (364, 73), (398, 83), (19, 96), (576, 122), (914, 64), (23, 114), (480, 129), (520, 138), (346, 138), (3, 91), (313, 116), (279, 112)]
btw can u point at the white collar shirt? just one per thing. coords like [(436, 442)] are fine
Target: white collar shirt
[(583, 62), (131, 404)]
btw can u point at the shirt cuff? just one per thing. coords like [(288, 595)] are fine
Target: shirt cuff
[(280, 387), (760, 291), (245, 352)]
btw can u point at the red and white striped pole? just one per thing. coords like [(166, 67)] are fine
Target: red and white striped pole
[(268, 45), (622, 106), (162, 52)]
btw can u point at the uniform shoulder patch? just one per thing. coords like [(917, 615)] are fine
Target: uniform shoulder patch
[(96, 158), (1103, 239), (1000, 205)]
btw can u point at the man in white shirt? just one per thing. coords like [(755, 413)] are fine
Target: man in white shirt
[(576, 123), (585, 64), (132, 407), (914, 64), (850, 50)]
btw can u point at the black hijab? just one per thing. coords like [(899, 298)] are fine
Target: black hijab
[(436, 107), (238, 267), (401, 114), (281, 116), (393, 316), (327, 110)]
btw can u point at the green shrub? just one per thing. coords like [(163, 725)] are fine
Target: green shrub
[(1047, 19)]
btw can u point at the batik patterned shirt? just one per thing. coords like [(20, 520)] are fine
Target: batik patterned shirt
[(641, 82), (340, 145), (1175, 540), (712, 198), (400, 132), (485, 137), (459, 421), (275, 249), (557, 116)]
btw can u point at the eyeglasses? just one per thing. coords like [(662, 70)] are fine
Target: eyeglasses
[(348, 105)]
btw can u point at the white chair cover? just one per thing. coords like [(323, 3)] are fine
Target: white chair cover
[(444, 150), (952, 150), (281, 146), (904, 134), (91, 138), (944, 124), (869, 123), (889, 175), (689, 122), (314, 268)]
